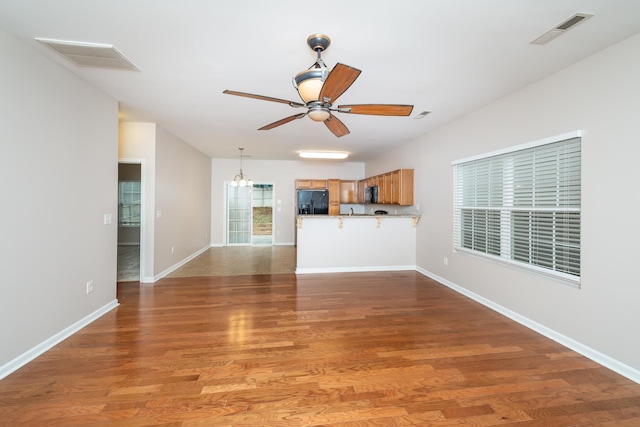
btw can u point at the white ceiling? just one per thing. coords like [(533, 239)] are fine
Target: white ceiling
[(445, 56)]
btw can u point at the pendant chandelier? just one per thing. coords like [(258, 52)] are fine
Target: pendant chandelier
[(240, 180)]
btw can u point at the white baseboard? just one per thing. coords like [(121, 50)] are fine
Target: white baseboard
[(355, 269), (36, 351), (613, 364), (179, 264)]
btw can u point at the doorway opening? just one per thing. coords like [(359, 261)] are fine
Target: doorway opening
[(129, 221)]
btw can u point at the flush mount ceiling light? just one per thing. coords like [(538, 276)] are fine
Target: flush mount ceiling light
[(324, 155), (240, 180)]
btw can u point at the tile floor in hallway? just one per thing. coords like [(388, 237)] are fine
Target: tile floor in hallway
[(218, 261)]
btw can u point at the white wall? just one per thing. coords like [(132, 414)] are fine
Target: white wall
[(58, 174), (282, 174), (600, 96), (183, 184)]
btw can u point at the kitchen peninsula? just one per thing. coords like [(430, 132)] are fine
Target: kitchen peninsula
[(361, 242)]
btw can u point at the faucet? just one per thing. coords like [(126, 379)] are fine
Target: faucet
[(350, 211)]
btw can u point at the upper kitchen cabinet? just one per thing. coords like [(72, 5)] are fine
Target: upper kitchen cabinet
[(402, 187), (349, 191), (333, 185), (311, 184), (394, 188), (361, 186)]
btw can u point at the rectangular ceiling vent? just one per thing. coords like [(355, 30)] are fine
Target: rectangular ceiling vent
[(562, 28), (421, 115), (90, 54)]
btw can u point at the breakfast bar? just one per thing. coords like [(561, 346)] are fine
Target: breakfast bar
[(360, 242)]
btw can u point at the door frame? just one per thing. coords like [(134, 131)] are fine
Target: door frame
[(225, 212), (143, 204)]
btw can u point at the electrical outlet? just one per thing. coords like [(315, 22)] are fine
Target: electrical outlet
[(446, 261), (90, 286)]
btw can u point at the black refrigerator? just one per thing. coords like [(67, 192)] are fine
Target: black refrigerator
[(313, 202)]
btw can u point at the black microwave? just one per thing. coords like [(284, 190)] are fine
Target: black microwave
[(371, 194)]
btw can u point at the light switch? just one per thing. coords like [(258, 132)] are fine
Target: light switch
[(107, 219)]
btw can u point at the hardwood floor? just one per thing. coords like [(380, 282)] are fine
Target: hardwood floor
[(358, 349)]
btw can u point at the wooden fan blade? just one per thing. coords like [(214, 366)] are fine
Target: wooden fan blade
[(336, 126), (263, 98), (283, 121), (338, 81), (378, 109)]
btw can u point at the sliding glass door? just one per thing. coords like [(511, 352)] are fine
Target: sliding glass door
[(250, 215), (262, 212), (239, 216)]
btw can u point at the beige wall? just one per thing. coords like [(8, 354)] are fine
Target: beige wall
[(183, 195), (598, 95), (137, 144), (176, 190), (59, 174)]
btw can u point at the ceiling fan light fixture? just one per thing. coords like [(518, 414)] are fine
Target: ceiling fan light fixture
[(309, 82), (340, 155), (318, 113)]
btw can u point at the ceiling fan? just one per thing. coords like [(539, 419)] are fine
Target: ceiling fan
[(319, 89)]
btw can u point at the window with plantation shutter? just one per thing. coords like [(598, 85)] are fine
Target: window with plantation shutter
[(522, 206)]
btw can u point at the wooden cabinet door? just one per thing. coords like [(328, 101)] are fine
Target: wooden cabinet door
[(311, 184), (348, 192), (334, 196), (405, 187), (395, 187), (361, 186), (388, 189)]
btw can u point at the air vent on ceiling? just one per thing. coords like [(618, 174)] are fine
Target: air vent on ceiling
[(90, 54), (561, 28), (421, 115)]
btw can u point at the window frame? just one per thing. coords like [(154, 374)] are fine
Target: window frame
[(122, 203), (502, 238)]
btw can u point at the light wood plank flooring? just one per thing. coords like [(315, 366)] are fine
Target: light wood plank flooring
[(218, 261), (358, 349)]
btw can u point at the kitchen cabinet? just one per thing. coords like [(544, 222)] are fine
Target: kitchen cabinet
[(387, 191), (348, 191), (333, 185), (394, 188), (362, 184), (402, 187), (311, 184)]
